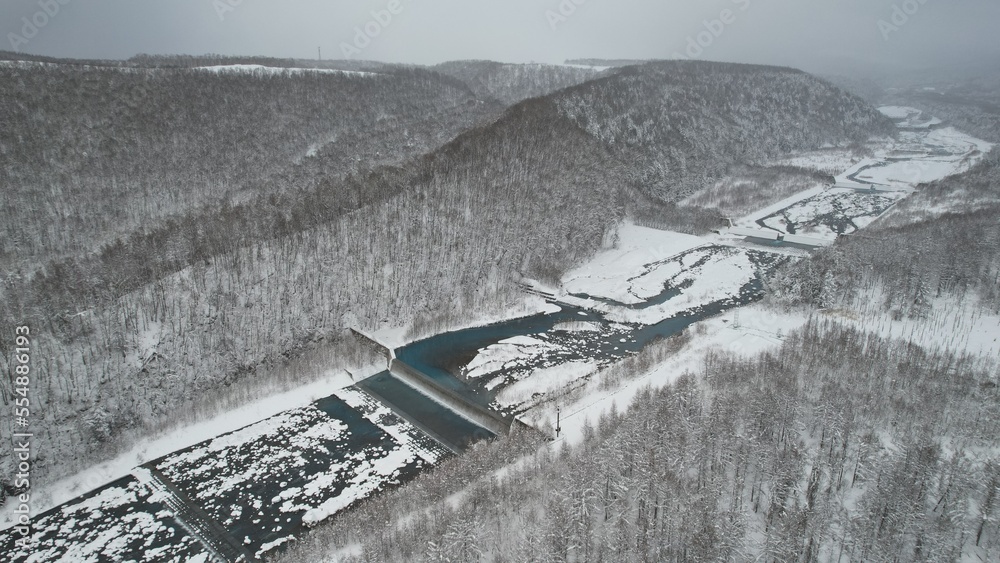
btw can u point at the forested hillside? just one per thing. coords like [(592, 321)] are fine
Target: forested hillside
[(96, 153), (837, 445), (189, 246), (679, 125), (511, 83), (950, 225)]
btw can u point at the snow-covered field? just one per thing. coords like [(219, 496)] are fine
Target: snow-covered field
[(908, 117), (918, 157), (627, 274), (262, 70), (654, 275), (693, 279), (898, 166), (750, 331), (526, 368)]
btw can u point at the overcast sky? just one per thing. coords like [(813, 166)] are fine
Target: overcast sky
[(811, 34)]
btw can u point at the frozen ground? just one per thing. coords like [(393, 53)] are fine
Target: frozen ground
[(918, 157), (625, 273), (898, 112), (523, 370), (654, 275), (681, 284)]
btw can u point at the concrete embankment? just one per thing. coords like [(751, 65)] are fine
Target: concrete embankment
[(486, 418)]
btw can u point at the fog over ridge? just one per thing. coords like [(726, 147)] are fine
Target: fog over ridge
[(817, 35)]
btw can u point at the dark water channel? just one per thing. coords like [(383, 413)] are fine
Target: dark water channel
[(443, 356)]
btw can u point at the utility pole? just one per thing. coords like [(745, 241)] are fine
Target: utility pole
[(558, 421), (319, 53)]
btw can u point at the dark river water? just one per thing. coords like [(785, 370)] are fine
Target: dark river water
[(443, 356)]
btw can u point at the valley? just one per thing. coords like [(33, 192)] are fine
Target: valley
[(292, 471)]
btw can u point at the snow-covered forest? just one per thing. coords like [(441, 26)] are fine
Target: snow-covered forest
[(864, 433), (837, 444), (190, 230), (190, 235)]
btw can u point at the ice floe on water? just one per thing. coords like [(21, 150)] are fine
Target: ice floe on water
[(829, 214), (126, 516), (293, 470)]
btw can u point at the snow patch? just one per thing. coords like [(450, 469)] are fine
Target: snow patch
[(261, 70)]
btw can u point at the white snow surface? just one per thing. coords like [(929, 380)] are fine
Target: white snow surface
[(898, 112), (958, 325), (909, 117), (896, 168), (273, 70), (618, 273), (506, 354), (722, 275), (829, 161), (545, 381), (921, 157)]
